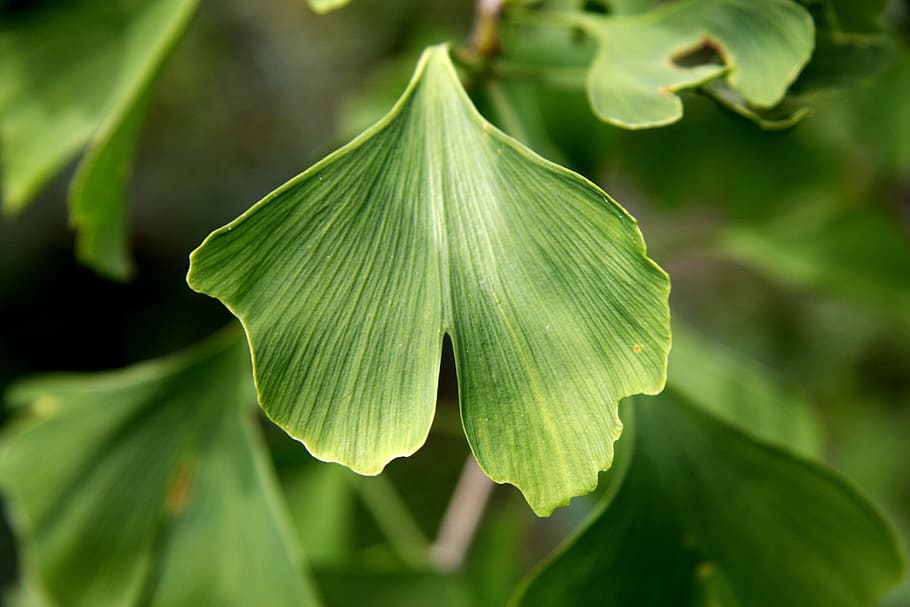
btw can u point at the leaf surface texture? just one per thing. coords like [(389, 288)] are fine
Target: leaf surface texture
[(430, 223)]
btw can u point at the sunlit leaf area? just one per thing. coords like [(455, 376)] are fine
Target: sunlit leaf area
[(474, 303)]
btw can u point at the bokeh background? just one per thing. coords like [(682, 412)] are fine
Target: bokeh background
[(791, 249)]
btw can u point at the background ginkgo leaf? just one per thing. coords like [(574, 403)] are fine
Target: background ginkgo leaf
[(73, 73), (708, 516), (430, 223), (850, 16), (150, 485), (850, 45), (823, 250), (98, 196), (326, 6), (741, 392), (641, 59)]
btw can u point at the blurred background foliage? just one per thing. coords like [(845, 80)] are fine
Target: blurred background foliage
[(789, 249)]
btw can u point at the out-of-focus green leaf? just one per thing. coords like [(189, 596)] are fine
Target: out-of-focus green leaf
[(533, 42), (842, 60), (876, 114), (433, 222), (394, 588), (376, 94), (24, 594), (850, 45), (320, 501), (514, 108), (150, 485), (496, 561), (98, 195), (327, 6), (822, 251), (899, 598), (76, 72), (640, 64), (630, 7), (708, 516), (740, 392), (850, 15)]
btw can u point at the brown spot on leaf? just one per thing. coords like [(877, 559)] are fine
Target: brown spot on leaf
[(704, 569), (178, 492)]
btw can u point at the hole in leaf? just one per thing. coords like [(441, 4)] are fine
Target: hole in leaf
[(706, 52)]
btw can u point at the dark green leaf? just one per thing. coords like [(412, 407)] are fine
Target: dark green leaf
[(824, 250), (708, 516), (98, 195), (841, 60), (346, 587), (74, 73), (741, 392), (849, 15), (150, 485), (850, 45)]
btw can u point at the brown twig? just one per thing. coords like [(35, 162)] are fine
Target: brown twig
[(462, 517)]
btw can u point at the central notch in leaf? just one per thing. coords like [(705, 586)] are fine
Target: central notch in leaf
[(433, 222)]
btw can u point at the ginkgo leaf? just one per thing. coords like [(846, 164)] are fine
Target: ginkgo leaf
[(851, 16), (74, 73), (783, 116), (741, 392), (98, 196), (708, 516), (327, 6), (639, 67), (150, 485), (820, 249), (850, 45), (431, 223)]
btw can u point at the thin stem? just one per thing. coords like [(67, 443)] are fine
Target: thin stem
[(510, 119), (485, 33), (394, 520), (462, 517)]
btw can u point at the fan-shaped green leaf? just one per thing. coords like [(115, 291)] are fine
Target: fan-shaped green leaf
[(431, 223), (639, 67), (150, 485), (707, 516), (73, 73)]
